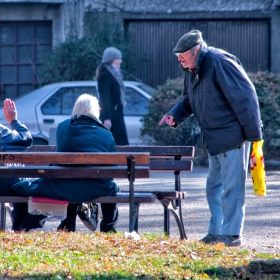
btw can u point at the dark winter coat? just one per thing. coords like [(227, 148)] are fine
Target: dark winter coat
[(16, 139), (223, 100), (84, 134), (110, 104), (13, 140)]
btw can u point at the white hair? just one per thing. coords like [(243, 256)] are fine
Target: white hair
[(87, 105)]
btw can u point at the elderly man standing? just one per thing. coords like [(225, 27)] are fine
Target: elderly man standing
[(218, 92)]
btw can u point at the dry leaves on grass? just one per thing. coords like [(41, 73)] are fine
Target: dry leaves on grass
[(111, 256)]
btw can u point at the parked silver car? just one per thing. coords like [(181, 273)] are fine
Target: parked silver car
[(43, 109)]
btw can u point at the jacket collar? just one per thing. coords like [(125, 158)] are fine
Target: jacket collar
[(84, 117)]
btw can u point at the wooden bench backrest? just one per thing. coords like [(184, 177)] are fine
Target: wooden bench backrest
[(74, 165), (155, 151), (28, 157)]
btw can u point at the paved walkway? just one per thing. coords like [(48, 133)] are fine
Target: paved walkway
[(262, 224)]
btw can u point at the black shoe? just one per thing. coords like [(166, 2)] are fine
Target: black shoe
[(88, 214), (67, 225), (32, 222), (231, 240), (210, 239), (113, 230)]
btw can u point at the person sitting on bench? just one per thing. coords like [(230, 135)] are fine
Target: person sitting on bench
[(16, 139), (83, 132)]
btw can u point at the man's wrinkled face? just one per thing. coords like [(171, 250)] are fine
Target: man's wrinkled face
[(188, 58)]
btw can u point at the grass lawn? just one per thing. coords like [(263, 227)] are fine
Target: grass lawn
[(62, 255)]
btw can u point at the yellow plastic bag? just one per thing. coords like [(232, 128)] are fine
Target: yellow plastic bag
[(257, 169)]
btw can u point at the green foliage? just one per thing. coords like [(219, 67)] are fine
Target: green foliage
[(77, 58), (165, 98), (72, 60), (268, 90)]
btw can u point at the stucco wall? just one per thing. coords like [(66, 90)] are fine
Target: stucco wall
[(160, 6), (36, 12)]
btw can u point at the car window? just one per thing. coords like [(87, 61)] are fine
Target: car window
[(147, 89), (62, 102), (136, 104)]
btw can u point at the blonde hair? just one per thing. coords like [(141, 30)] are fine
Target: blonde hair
[(87, 105)]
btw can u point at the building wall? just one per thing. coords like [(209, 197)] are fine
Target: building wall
[(69, 14), (36, 12), (182, 6), (200, 9)]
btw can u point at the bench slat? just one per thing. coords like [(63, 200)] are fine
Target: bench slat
[(118, 198), (72, 158), (71, 172), (171, 165), (155, 151), (168, 194)]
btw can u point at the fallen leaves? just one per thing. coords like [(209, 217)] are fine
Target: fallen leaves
[(70, 255)]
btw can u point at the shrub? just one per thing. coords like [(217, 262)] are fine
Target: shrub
[(76, 59), (72, 60), (268, 89), (165, 98)]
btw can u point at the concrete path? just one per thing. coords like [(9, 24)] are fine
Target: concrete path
[(262, 224)]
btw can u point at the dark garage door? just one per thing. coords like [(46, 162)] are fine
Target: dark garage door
[(22, 46), (152, 43)]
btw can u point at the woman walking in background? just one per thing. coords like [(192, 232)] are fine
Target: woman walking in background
[(112, 94)]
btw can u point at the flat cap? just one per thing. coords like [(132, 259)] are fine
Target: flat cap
[(188, 40)]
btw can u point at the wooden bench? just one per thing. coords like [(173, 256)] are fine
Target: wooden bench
[(118, 165), (162, 159), (174, 159)]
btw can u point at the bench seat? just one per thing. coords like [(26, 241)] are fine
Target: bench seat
[(118, 198)]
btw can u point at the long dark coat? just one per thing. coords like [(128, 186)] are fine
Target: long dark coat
[(111, 107), (84, 134)]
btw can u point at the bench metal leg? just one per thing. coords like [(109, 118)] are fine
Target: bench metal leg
[(169, 206), (2, 216), (166, 223), (135, 216), (131, 179)]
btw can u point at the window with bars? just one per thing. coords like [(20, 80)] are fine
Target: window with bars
[(22, 47)]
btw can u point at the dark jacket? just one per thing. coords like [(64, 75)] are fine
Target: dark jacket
[(223, 100), (16, 139), (84, 134), (13, 140), (110, 104)]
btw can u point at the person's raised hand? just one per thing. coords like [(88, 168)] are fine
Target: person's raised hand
[(10, 111), (168, 119)]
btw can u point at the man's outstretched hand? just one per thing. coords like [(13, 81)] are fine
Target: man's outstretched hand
[(168, 119)]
